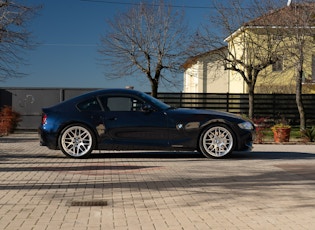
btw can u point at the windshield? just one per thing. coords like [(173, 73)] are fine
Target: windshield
[(157, 103)]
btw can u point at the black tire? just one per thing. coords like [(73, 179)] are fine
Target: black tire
[(76, 141), (217, 141)]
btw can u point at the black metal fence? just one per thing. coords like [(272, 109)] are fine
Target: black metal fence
[(272, 106), (28, 102)]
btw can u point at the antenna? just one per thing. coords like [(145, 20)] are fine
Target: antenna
[(289, 2)]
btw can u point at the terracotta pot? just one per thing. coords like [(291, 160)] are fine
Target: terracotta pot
[(281, 135)]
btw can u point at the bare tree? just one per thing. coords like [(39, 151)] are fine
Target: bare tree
[(300, 31), (148, 39), (252, 46), (14, 37)]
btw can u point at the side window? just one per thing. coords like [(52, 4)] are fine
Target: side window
[(89, 105), (117, 103)]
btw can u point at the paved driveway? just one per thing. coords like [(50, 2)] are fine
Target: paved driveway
[(272, 187)]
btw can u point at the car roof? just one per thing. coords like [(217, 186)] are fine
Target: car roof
[(87, 95), (114, 90), (108, 91)]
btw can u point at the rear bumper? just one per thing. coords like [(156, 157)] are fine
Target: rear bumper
[(47, 139)]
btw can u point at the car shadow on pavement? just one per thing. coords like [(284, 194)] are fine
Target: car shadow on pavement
[(147, 154), (10, 154), (259, 155)]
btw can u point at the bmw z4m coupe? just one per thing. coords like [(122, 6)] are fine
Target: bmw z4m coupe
[(126, 119)]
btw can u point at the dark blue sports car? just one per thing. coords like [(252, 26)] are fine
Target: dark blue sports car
[(126, 119)]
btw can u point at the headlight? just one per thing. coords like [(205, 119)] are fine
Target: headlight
[(246, 125)]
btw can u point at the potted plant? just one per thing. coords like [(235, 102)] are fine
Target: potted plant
[(281, 132)]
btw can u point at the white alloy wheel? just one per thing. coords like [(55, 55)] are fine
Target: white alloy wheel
[(216, 141), (76, 141)]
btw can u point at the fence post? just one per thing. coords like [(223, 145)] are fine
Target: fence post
[(273, 106), (227, 102), (61, 95), (180, 99)]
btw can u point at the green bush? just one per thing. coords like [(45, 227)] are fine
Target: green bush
[(309, 134)]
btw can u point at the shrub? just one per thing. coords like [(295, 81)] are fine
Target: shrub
[(9, 120), (309, 134), (260, 126), (280, 126)]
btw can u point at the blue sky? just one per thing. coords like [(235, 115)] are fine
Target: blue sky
[(69, 31)]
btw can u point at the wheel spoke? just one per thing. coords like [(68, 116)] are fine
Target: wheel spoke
[(217, 141), (76, 141)]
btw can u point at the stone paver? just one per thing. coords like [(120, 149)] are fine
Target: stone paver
[(272, 187)]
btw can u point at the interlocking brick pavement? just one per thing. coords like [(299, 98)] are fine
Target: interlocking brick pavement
[(272, 187)]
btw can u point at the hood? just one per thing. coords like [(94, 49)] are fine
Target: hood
[(207, 112)]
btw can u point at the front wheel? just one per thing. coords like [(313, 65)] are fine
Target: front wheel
[(76, 141), (216, 141)]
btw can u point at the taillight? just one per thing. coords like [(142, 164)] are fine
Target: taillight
[(44, 118)]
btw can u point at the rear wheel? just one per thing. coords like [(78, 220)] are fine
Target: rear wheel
[(217, 141), (76, 141)]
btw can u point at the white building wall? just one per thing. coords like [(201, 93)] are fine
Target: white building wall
[(191, 79), (217, 78), (236, 83), (207, 75)]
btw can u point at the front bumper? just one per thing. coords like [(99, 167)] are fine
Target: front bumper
[(246, 141)]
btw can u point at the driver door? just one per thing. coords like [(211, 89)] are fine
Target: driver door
[(129, 125)]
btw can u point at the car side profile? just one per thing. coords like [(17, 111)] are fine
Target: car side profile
[(126, 119)]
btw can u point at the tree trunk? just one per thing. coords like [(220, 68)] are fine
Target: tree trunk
[(154, 88), (251, 102), (298, 93), (298, 99)]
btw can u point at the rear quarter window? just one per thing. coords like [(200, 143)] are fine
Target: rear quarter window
[(89, 105)]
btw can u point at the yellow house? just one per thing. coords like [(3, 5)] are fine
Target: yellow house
[(276, 42)]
